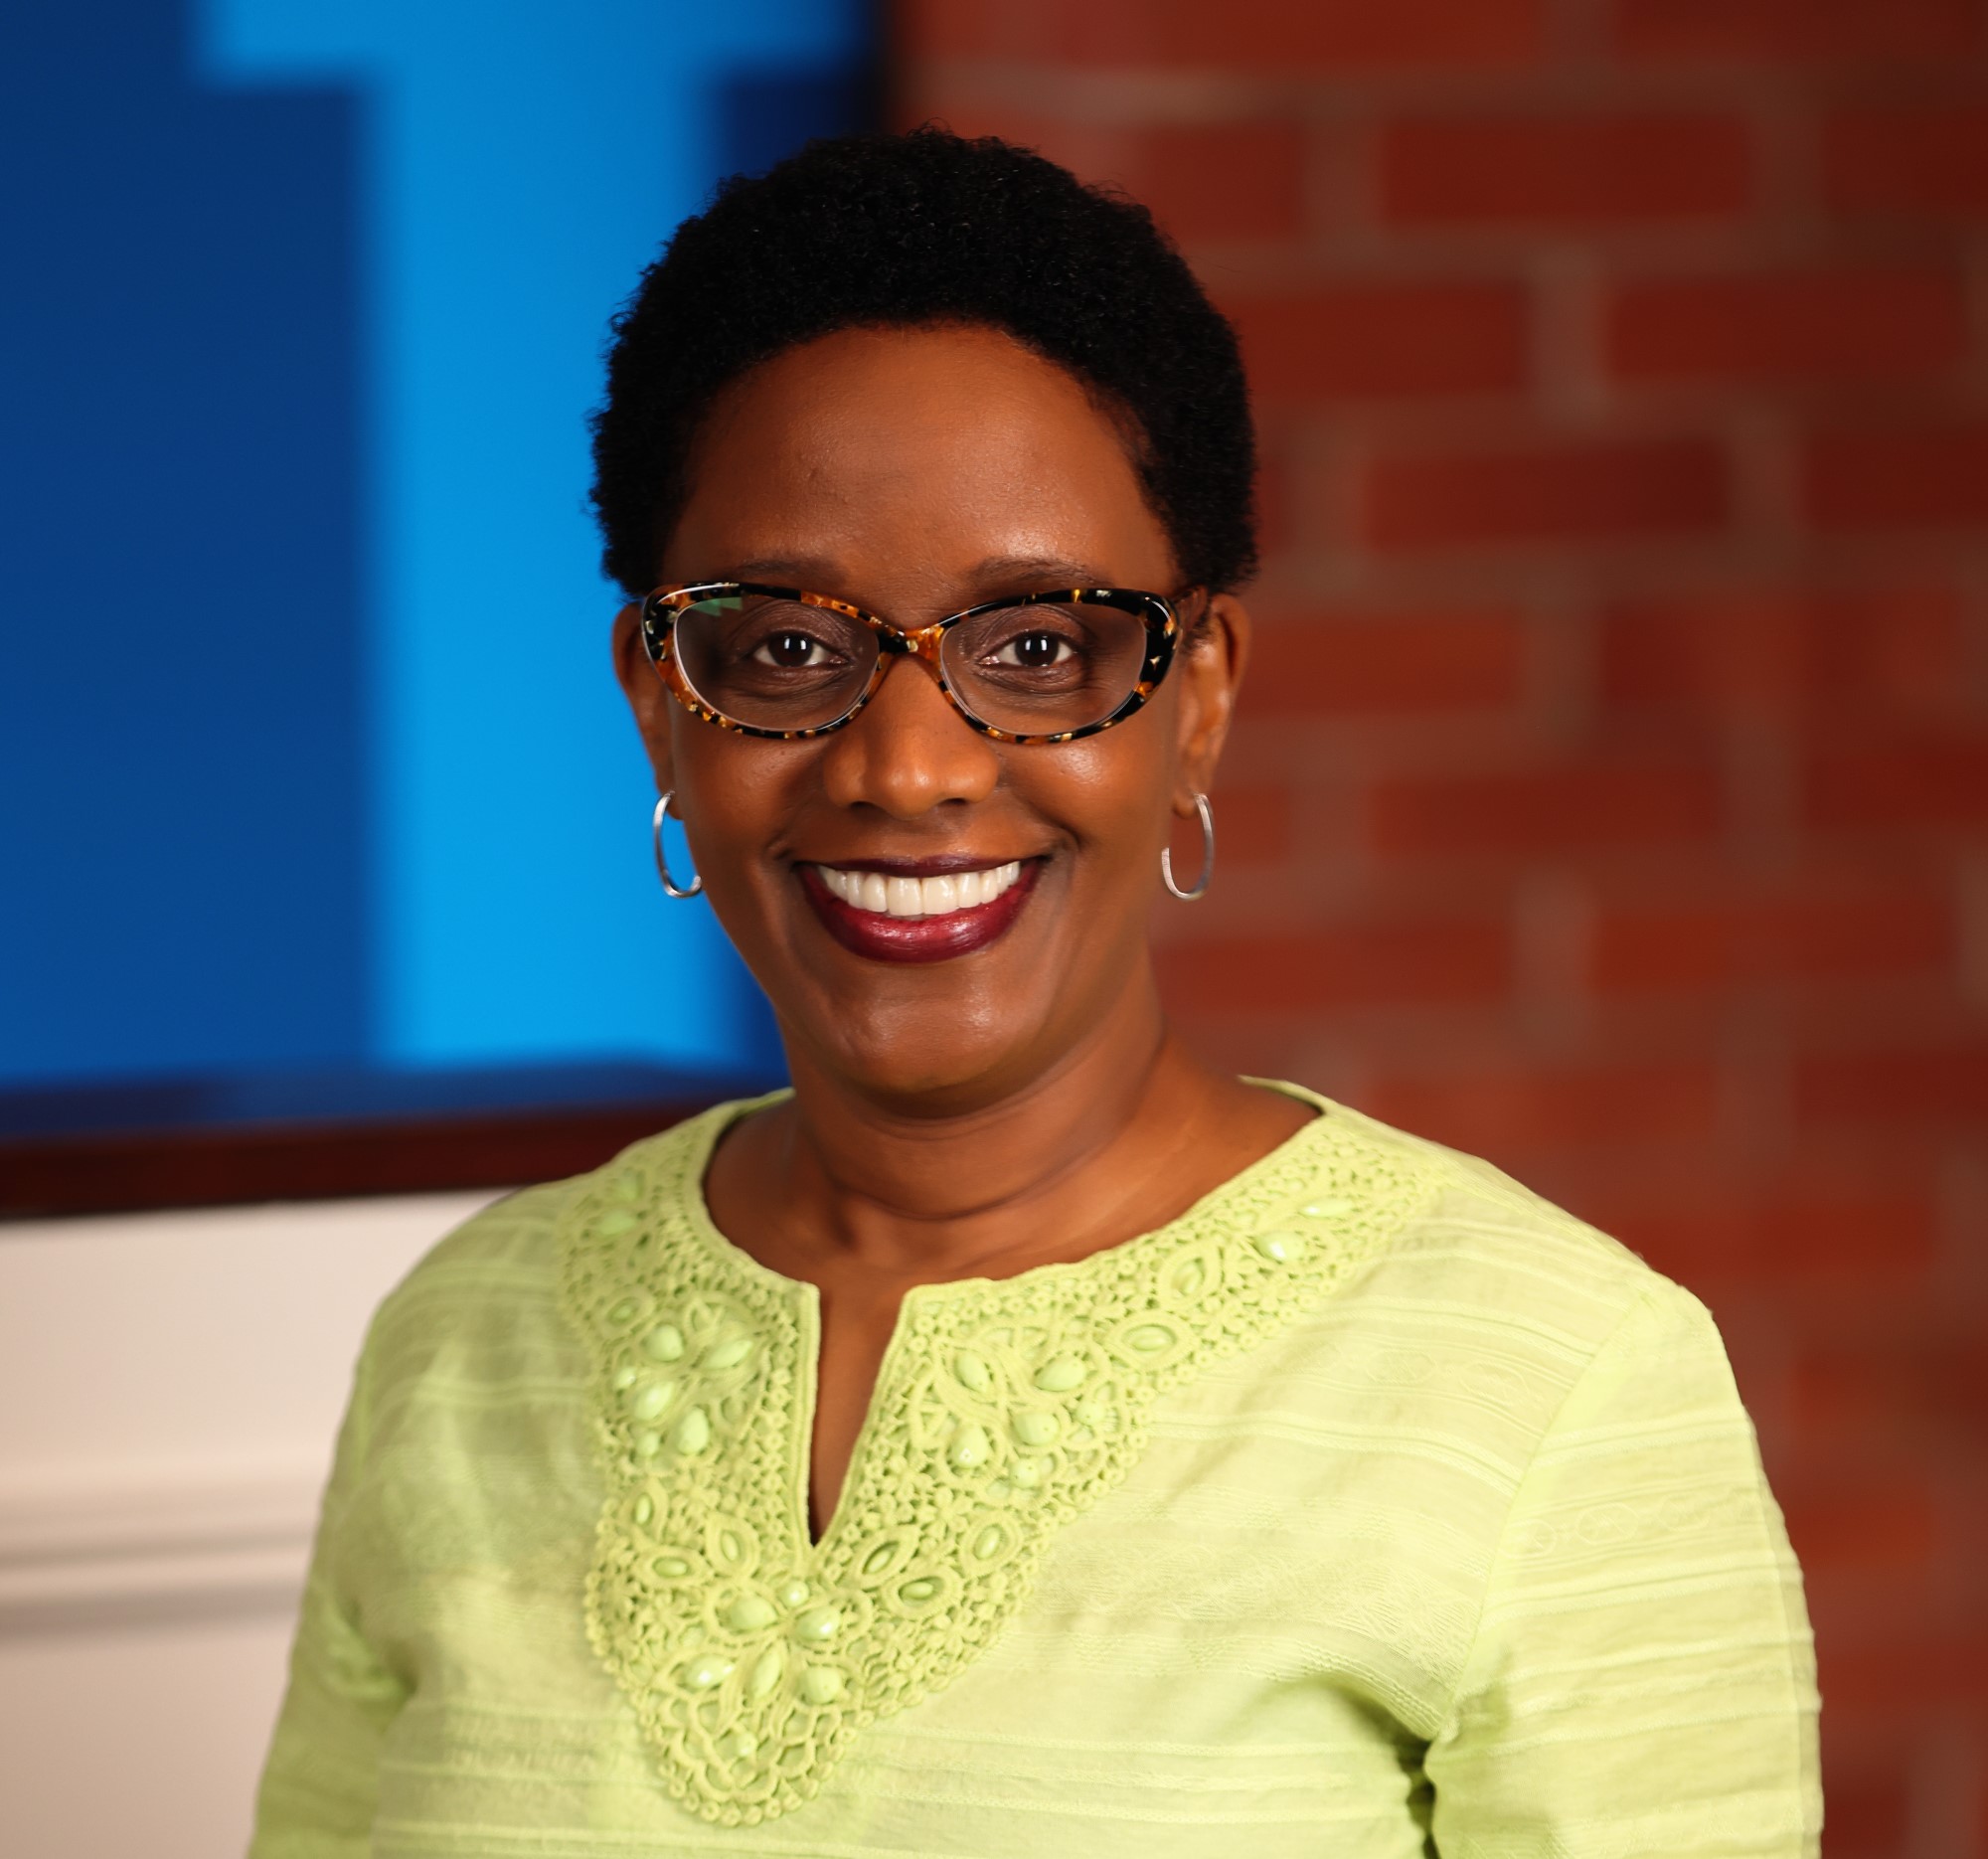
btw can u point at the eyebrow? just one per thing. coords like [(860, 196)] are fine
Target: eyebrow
[(1049, 567), (809, 572), (801, 571)]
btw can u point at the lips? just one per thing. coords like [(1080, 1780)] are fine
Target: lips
[(927, 914)]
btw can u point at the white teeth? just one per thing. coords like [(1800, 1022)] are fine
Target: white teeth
[(920, 897)]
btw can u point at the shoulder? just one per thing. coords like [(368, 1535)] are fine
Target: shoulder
[(1513, 1346), (1481, 1243), (495, 1282), (1485, 1307)]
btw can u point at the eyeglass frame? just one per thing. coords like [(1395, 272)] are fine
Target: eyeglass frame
[(1160, 615)]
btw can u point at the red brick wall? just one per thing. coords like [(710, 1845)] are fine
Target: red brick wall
[(1612, 795)]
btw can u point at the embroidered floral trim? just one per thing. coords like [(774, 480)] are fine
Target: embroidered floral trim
[(1004, 1409)]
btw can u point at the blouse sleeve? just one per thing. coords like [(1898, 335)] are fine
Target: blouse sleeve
[(321, 1781), (1642, 1679)]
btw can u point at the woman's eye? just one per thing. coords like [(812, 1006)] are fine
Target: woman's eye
[(1035, 651), (791, 652)]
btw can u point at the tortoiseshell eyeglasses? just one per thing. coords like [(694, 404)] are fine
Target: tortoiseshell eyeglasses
[(1035, 669)]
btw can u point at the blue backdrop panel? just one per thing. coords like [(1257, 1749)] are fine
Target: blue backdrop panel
[(183, 880), (311, 747)]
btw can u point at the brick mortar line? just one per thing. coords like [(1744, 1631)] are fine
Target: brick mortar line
[(1360, 251), (1129, 95)]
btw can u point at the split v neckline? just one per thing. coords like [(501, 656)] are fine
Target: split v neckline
[(752, 1651), (808, 1297)]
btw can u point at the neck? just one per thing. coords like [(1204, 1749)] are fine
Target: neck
[(1052, 1167)]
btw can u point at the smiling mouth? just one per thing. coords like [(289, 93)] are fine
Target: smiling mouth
[(918, 916)]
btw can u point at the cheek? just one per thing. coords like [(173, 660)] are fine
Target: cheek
[(733, 791), (1110, 792)]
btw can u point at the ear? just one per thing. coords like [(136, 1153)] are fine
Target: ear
[(1210, 675), (649, 696)]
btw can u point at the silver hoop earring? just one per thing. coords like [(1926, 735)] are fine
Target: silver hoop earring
[(662, 858), (1200, 886)]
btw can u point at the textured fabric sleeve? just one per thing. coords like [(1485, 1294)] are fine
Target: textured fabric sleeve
[(1642, 1679), (320, 1781)]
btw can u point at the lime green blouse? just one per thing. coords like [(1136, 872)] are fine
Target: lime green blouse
[(1373, 1507)]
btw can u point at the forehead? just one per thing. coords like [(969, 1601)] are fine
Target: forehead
[(903, 455)]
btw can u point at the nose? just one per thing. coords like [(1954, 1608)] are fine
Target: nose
[(908, 751)]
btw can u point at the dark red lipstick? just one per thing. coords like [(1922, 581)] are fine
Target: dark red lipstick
[(882, 937)]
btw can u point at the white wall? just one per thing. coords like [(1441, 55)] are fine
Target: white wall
[(169, 1388)]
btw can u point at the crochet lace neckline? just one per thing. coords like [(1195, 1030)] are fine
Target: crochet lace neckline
[(1003, 1408)]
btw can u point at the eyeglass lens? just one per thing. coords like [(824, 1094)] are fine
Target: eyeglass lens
[(1032, 670)]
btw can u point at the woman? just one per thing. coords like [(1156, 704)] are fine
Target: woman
[(1020, 1437)]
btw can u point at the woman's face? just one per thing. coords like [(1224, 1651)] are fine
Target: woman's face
[(914, 473)]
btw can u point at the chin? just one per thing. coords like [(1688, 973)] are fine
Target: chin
[(935, 1056)]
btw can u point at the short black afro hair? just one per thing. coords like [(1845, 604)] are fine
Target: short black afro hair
[(917, 230)]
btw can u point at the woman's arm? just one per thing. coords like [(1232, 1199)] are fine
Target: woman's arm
[(1642, 1679), (321, 1781)]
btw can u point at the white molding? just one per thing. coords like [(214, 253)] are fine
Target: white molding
[(170, 1385), (148, 1549)]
